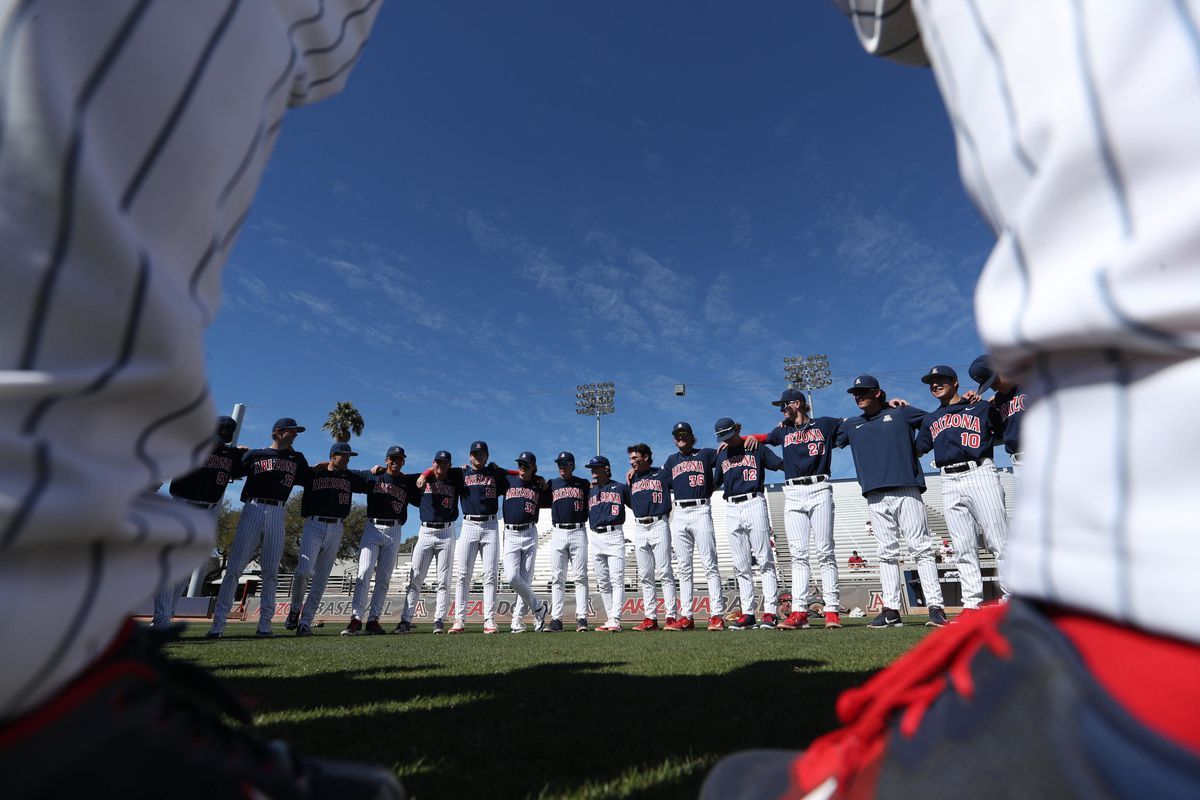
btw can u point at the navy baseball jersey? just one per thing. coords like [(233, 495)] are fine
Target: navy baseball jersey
[(883, 448), (439, 498), (650, 493), (1011, 406), (606, 504), (327, 492), (524, 499), (692, 474), (483, 487), (206, 483), (807, 448), (960, 432), (568, 500), (271, 474), (745, 471), (390, 496)]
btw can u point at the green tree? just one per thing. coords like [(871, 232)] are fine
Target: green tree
[(227, 522), (343, 421)]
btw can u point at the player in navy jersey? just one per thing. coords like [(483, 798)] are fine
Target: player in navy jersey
[(204, 488), (690, 471), (479, 535), (1010, 400), (741, 473), (390, 492), (270, 473), (961, 434), (524, 498), (441, 486), (324, 506), (808, 503), (607, 500), (568, 541), (881, 441), (650, 503)]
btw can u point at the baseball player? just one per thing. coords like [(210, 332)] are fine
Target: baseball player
[(568, 541), (808, 503), (389, 495), (690, 471), (960, 434), (441, 486), (650, 502), (741, 473), (270, 473), (479, 536), (607, 500), (882, 443), (1009, 399), (324, 506), (203, 488), (523, 500)]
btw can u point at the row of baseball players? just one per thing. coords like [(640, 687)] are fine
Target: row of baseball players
[(669, 506)]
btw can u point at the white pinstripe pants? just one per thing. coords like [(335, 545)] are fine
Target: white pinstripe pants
[(431, 543), (749, 529), (319, 543), (971, 498), (377, 551), (608, 560), (568, 546), (692, 531), (808, 509), (896, 513), (167, 599), (263, 524), (477, 539), (652, 549), (520, 556)]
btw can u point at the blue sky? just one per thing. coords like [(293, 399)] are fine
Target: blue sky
[(511, 199)]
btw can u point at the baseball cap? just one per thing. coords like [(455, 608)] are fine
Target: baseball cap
[(982, 373), (396, 452), (788, 396), (287, 424), (565, 458), (726, 429), (527, 457), (342, 448), (940, 371), (597, 462), (477, 446), (863, 382), (443, 455), (683, 427)]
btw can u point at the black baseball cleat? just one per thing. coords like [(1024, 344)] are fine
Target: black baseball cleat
[(439, 626), (138, 724), (304, 630), (888, 618), (374, 628), (581, 625), (1000, 705), (353, 628), (403, 626), (743, 623), (293, 620), (937, 618), (539, 618), (212, 635), (553, 626)]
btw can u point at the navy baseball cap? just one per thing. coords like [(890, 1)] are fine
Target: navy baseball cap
[(226, 422), (287, 424), (726, 429), (527, 457), (599, 461), (863, 382), (940, 371), (342, 448), (565, 458), (682, 427), (982, 373), (477, 446), (789, 396), (396, 452), (443, 455)]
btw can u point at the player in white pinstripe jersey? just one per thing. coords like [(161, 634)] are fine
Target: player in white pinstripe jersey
[(119, 200)]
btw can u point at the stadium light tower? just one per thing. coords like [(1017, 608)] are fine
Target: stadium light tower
[(595, 400), (808, 373)]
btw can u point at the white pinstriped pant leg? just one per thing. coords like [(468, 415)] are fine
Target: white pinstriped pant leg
[(489, 552), (797, 523), (958, 509), (311, 538), (822, 531), (683, 543), (322, 567), (428, 547), (560, 548), (245, 541), (764, 554), (914, 526), (465, 550), (369, 547), (615, 567), (739, 548), (987, 497), (645, 546), (579, 570), (384, 568), (167, 600), (608, 559), (520, 553), (700, 523), (886, 527)]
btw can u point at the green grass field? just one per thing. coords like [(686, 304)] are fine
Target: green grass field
[(578, 715)]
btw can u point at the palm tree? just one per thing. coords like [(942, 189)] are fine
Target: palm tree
[(343, 421)]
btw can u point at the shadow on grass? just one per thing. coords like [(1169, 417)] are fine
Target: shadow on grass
[(559, 729)]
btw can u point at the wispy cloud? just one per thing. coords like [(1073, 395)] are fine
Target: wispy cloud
[(740, 218)]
